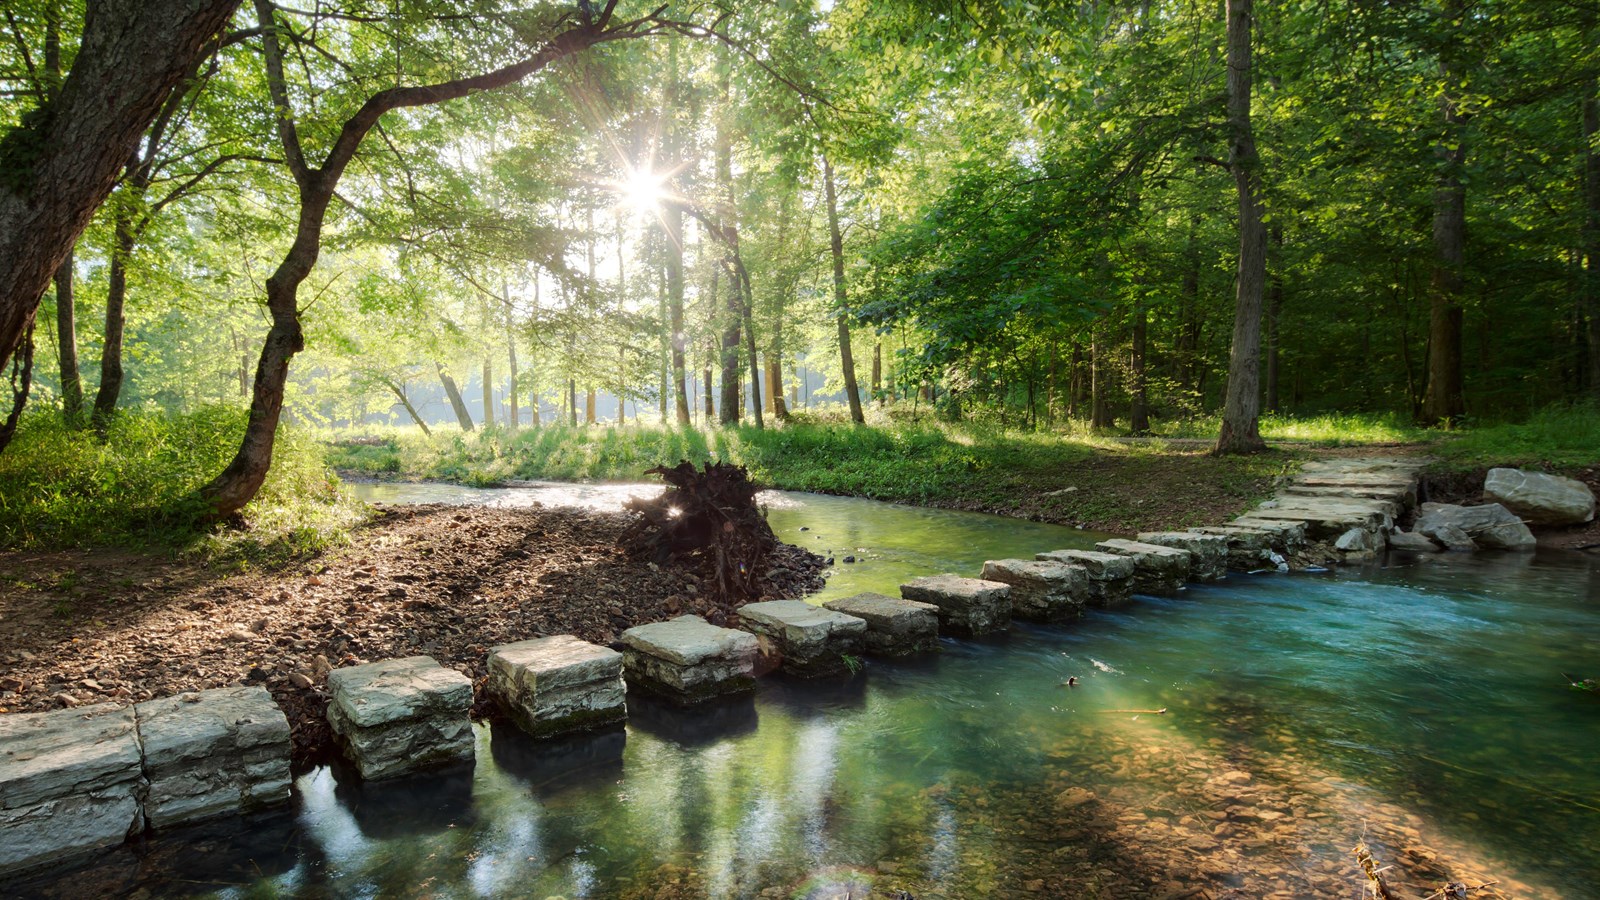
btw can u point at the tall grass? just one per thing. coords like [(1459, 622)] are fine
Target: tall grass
[(138, 488), (1560, 437)]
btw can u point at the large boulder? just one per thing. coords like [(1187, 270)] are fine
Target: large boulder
[(1539, 498), (1490, 526)]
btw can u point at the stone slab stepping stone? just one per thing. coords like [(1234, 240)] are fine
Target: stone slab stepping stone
[(557, 685), (1157, 570), (1388, 507), (1402, 497), (1041, 590), (1110, 574), (895, 627), (70, 783), (1208, 553), (213, 752), (1249, 549), (1321, 523), (689, 660), (812, 641), (967, 606), (401, 715), (1287, 537)]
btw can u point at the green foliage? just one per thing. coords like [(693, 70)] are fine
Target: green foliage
[(1564, 436), (61, 488)]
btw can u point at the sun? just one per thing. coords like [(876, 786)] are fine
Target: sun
[(642, 189)]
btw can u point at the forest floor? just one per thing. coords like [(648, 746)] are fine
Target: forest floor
[(80, 627)]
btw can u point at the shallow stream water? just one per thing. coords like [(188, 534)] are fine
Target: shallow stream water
[(1420, 703)]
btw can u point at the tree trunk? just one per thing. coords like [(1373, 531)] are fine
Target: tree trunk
[(1591, 233), (488, 394), (109, 392), (1075, 382), (453, 393), (877, 372), (1443, 400), (847, 363), (672, 223), (1139, 411), (61, 165), (1274, 311), (705, 380), (731, 408), (400, 394), (511, 360), (1241, 413), (67, 346), (21, 383), (572, 402), (750, 341), (1100, 416)]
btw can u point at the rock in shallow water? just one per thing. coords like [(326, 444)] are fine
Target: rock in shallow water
[(212, 753), (689, 660), (400, 715), (968, 607), (814, 641), (895, 627), (1491, 526), (558, 684)]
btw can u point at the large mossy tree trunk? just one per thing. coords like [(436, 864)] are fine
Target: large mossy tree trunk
[(63, 159), (1241, 413)]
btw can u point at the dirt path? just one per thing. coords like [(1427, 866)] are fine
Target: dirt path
[(450, 582)]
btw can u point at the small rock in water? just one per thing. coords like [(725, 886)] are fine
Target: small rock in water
[(849, 559), (828, 561), (805, 527)]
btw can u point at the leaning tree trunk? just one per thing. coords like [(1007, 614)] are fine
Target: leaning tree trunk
[(836, 247), (61, 165), (1444, 400), (1241, 412), (399, 392), (67, 346), (457, 404)]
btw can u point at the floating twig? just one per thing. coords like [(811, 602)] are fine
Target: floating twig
[(1145, 712)]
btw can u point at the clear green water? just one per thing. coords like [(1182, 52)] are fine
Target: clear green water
[(1425, 694)]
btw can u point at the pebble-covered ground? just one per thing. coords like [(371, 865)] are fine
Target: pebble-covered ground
[(446, 581)]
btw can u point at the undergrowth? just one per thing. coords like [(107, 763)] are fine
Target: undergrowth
[(1559, 437), (63, 488)]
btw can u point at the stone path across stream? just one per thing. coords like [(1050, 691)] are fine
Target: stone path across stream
[(70, 787)]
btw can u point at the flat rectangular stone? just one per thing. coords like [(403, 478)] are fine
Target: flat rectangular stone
[(400, 715), (1041, 590), (813, 641), (967, 606), (689, 660), (1287, 537), (1157, 570), (558, 685), (70, 784), (1323, 523), (1110, 574), (1208, 553), (895, 627), (1249, 549), (213, 752)]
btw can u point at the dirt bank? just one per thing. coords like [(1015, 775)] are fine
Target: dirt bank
[(94, 626)]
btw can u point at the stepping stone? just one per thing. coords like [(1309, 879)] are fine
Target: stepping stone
[(1287, 537), (967, 606), (812, 641), (1208, 553), (1402, 497), (1249, 549), (689, 660), (557, 685), (212, 753), (1110, 574), (1157, 570), (70, 783), (401, 715), (1390, 507), (1041, 590), (895, 627)]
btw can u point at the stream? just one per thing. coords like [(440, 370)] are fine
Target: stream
[(1419, 701)]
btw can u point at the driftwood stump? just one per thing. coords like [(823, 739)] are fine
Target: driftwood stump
[(707, 519)]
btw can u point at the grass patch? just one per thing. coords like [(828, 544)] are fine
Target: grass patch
[(1558, 437), (138, 489)]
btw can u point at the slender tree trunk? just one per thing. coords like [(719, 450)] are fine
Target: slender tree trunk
[(1100, 416), (1075, 392), (590, 400), (1274, 312), (1187, 350), (488, 394), (731, 407), (1241, 413), (705, 374), (572, 402), (1591, 233), (21, 383), (847, 363), (67, 346), (877, 371), (400, 394), (452, 392), (1139, 412), (750, 341), (672, 222), (1050, 389), (1443, 399), (511, 360), (111, 374)]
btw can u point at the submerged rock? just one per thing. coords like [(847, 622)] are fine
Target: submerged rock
[(1491, 526), (1412, 541), (1539, 498)]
